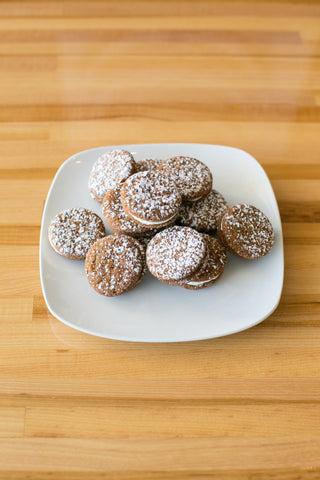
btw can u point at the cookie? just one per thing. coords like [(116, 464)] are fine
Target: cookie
[(72, 232), (209, 273), (246, 232), (191, 176), (176, 253), (147, 164), (114, 265), (117, 218), (109, 170), (203, 215), (151, 199)]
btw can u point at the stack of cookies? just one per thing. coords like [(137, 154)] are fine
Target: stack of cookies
[(164, 215)]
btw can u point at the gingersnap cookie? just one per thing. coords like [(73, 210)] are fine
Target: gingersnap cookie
[(246, 232), (204, 214), (151, 199), (114, 265), (117, 218), (109, 170), (72, 232), (147, 164), (209, 273), (176, 253), (192, 177)]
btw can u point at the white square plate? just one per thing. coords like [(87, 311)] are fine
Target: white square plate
[(247, 293)]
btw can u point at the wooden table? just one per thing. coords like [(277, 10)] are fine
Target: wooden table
[(80, 74)]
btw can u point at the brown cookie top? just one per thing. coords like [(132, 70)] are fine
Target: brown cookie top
[(176, 253), (151, 198), (209, 273), (246, 231), (108, 171), (191, 176), (114, 265), (117, 218), (73, 231), (203, 215), (147, 164)]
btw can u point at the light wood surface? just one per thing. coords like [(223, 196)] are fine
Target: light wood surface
[(81, 74)]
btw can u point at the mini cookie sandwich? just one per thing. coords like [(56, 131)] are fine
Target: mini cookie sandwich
[(147, 164), (151, 199), (114, 265), (203, 215), (73, 231), (176, 253), (192, 177), (117, 218), (246, 232), (209, 273), (109, 170)]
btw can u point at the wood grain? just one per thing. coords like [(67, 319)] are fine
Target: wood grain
[(76, 75), (199, 455), (148, 420)]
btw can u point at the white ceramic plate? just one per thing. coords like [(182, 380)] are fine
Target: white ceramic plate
[(247, 293)]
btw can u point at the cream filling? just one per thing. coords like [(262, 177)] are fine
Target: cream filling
[(196, 284), (147, 222), (195, 199)]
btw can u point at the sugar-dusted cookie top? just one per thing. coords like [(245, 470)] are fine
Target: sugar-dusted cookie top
[(191, 176), (114, 264), (176, 253), (108, 171), (246, 231), (73, 231), (151, 198), (204, 214)]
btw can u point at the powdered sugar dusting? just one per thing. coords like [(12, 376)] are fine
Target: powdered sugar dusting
[(175, 253), (151, 196), (147, 164), (119, 221), (248, 230), (203, 215), (191, 176), (110, 169), (73, 231), (114, 265)]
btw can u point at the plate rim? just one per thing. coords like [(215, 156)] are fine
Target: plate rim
[(158, 340)]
